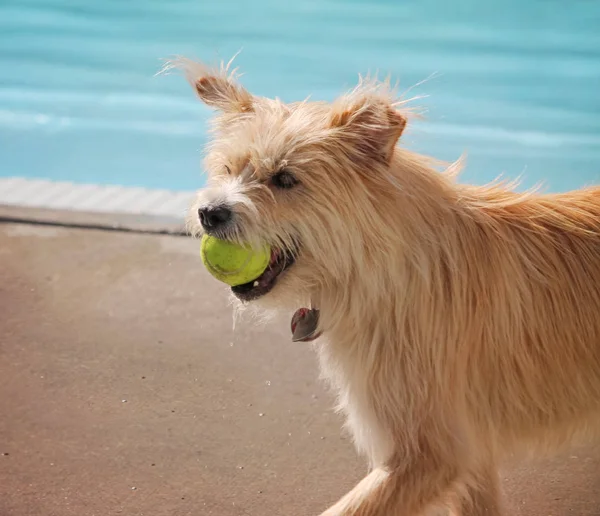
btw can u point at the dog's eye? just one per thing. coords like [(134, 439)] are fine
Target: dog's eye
[(284, 180)]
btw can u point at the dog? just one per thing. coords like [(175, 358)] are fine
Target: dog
[(458, 324)]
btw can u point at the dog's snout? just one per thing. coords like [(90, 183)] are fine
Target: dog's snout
[(214, 216)]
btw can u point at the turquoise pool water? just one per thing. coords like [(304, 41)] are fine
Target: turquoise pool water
[(516, 84)]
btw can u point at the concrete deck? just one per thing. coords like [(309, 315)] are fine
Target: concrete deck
[(125, 390)]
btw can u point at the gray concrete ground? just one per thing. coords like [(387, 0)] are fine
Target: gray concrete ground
[(125, 390)]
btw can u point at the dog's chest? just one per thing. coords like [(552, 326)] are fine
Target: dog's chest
[(358, 399)]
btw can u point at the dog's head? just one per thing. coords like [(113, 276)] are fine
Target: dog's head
[(307, 178)]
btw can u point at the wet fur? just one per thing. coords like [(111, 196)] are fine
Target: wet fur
[(461, 323)]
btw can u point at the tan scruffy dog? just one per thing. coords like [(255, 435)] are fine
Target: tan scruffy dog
[(459, 323)]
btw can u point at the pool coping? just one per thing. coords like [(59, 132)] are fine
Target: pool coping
[(102, 207)]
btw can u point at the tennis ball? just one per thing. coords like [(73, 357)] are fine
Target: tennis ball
[(232, 263)]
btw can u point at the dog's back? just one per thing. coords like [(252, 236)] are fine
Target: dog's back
[(534, 275)]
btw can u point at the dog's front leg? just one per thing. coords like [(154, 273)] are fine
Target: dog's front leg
[(399, 491), (365, 495)]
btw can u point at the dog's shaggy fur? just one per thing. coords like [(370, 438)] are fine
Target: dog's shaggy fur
[(460, 323)]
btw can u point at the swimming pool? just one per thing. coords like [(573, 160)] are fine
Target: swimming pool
[(516, 86)]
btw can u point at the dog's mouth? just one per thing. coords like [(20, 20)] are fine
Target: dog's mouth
[(280, 262)]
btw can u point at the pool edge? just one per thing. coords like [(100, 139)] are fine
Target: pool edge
[(111, 207)]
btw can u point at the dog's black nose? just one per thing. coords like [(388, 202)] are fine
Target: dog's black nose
[(213, 217)]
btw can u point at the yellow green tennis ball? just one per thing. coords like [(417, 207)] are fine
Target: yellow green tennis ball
[(232, 263)]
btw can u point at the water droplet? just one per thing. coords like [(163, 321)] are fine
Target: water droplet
[(261, 414)]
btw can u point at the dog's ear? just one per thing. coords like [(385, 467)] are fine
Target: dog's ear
[(224, 94), (215, 87), (370, 122)]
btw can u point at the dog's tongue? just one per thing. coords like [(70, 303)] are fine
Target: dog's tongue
[(304, 325)]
